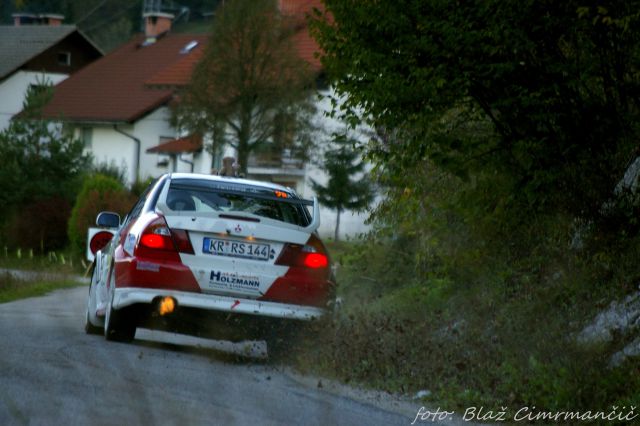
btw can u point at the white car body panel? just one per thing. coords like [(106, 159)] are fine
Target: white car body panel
[(128, 296)]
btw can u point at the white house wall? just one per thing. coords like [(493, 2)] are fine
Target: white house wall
[(351, 223), (155, 126), (14, 88), (149, 130), (112, 147)]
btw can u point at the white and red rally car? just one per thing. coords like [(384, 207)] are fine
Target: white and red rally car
[(224, 257)]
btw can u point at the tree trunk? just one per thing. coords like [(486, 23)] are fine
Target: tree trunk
[(244, 136), (337, 231), (243, 156)]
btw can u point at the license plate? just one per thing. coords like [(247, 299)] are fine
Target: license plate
[(236, 249)]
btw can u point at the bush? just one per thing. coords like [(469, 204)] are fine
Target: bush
[(139, 186), (39, 225), (98, 193), (110, 169)]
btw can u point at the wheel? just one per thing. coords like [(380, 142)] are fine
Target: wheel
[(91, 320), (90, 328), (118, 326)]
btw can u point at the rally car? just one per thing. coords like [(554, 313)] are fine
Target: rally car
[(217, 256)]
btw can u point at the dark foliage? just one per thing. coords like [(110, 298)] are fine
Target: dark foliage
[(40, 225), (542, 92)]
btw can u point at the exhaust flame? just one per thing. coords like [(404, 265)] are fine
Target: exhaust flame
[(167, 305)]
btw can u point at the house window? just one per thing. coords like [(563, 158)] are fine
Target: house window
[(163, 161), (86, 136), (64, 58)]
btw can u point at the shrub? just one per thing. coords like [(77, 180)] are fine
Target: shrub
[(111, 169), (98, 193), (39, 225), (139, 186)]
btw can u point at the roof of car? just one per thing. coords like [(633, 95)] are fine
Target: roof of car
[(199, 176)]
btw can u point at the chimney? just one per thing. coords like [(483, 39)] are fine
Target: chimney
[(156, 23), (23, 19), (50, 19)]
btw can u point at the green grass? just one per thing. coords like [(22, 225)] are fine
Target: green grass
[(57, 265), (53, 262), (12, 289)]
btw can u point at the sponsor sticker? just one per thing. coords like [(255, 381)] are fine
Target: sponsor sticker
[(234, 281), (147, 266)]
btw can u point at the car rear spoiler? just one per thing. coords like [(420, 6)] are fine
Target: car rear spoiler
[(315, 216)]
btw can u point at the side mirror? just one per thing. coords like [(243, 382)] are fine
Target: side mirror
[(108, 220)]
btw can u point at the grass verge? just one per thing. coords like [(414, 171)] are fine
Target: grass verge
[(12, 288)]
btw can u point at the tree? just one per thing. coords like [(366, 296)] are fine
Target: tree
[(348, 187), (42, 165), (250, 89), (552, 86), (99, 193)]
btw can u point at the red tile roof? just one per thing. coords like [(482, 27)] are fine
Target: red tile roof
[(191, 143), (306, 46), (179, 73), (114, 88), (299, 7)]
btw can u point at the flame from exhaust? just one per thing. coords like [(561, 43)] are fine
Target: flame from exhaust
[(167, 305)]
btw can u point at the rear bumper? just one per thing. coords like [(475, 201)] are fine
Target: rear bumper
[(128, 296)]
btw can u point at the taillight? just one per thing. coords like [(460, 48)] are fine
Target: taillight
[(160, 242), (311, 255), (308, 278), (316, 260), (157, 236)]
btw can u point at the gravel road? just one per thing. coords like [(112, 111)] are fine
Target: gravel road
[(52, 373)]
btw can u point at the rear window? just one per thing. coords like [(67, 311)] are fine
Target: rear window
[(231, 197)]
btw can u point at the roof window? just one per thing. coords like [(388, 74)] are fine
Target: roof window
[(64, 58), (189, 47)]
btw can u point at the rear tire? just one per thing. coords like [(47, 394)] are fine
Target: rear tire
[(118, 326), (89, 326)]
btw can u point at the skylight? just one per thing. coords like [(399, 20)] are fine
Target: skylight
[(189, 47)]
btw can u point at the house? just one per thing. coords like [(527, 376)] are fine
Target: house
[(38, 50), (120, 107)]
